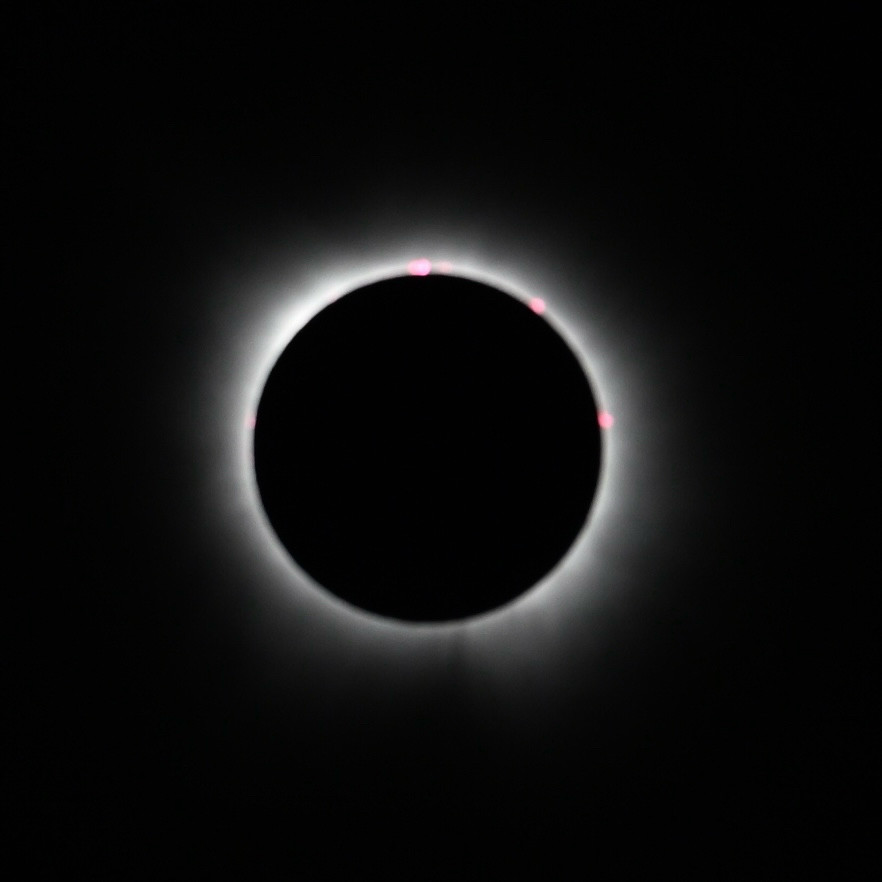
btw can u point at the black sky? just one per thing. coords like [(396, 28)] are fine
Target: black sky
[(712, 162)]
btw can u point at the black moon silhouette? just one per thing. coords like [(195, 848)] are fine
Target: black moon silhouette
[(427, 448)]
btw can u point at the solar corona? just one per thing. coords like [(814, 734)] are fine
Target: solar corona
[(262, 302)]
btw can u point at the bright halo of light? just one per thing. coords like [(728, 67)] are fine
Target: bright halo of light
[(261, 310)]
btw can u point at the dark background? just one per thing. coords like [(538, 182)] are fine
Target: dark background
[(714, 160)]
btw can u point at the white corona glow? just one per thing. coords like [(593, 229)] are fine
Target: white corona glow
[(259, 312)]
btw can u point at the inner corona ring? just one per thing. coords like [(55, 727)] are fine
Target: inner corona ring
[(427, 447)]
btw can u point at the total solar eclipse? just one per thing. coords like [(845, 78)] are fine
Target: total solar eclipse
[(427, 447)]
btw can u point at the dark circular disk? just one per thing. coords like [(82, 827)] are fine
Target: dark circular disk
[(427, 448)]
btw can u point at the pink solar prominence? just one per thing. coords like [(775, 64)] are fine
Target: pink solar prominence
[(419, 267)]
